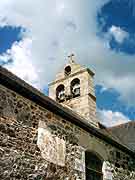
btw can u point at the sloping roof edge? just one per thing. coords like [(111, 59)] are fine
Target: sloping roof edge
[(16, 84), (121, 125)]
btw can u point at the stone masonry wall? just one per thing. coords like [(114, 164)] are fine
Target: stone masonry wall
[(37, 144)]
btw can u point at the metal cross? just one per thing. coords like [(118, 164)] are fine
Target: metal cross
[(71, 59)]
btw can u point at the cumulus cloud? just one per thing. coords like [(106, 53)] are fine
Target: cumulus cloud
[(119, 34), (18, 60), (58, 27), (110, 118)]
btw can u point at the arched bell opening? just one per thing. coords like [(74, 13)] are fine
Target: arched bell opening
[(93, 164), (67, 70), (60, 93), (75, 87)]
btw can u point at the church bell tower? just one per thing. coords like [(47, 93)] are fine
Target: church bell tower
[(74, 88)]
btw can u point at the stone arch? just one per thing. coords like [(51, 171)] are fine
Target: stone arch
[(60, 93), (75, 87), (93, 164), (67, 70), (94, 145)]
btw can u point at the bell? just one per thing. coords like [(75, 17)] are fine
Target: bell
[(61, 95), (76, 89)]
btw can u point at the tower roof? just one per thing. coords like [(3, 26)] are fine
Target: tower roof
[(126, 133)]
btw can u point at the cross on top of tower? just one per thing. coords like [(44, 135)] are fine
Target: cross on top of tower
[(71, 58)]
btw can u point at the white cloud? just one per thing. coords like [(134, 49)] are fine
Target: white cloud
[(22, 62), (119, 34), (110, 118), (58, 27)]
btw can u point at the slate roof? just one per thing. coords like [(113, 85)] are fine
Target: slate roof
[(16, 84), (125, 133)]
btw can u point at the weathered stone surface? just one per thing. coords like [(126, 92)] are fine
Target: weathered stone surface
[(38, 144), (52, 148), (34, 143)]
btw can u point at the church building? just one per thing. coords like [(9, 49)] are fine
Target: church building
[(60, 137)]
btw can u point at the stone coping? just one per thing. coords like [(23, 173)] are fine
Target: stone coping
[(16, 84)]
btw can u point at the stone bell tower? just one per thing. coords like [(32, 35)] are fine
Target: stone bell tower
[(73, 87)]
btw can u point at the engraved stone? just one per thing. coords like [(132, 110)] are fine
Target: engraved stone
[(52, 148)]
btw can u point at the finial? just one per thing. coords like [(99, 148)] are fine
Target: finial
[(71, 58)]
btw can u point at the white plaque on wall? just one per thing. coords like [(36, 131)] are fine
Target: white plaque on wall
[(52, 148)]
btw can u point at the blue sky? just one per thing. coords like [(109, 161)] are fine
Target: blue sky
[(8, 35), (120, 14), (101, 34)]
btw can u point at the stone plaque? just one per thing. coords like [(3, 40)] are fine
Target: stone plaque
[(47, 145), (52, 148)]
